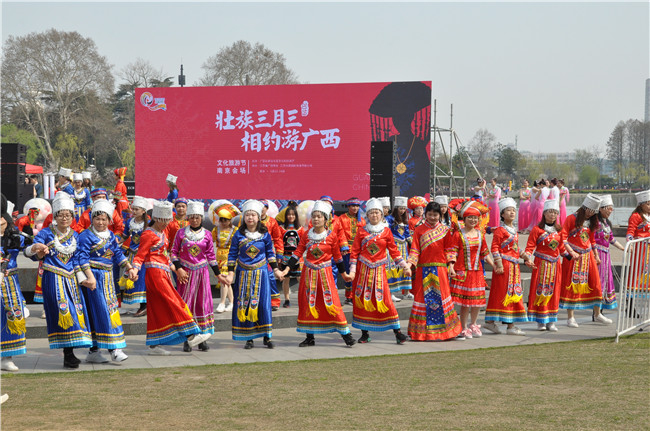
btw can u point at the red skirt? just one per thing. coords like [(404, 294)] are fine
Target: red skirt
[(506, 302), (580, 283), (373, 307), (471, 291), (319, 307), (544, 295), (169, 320)]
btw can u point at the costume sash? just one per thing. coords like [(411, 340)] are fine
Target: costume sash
[(432, 298)]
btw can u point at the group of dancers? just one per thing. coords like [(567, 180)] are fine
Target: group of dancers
[(436, 256)]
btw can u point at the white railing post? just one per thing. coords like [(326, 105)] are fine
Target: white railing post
[(634, 305)]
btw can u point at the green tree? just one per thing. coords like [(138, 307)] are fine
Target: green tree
[(11, 133), (589, 176), (507, 160), (66, 150)]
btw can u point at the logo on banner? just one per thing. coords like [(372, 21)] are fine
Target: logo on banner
[(151, 103)]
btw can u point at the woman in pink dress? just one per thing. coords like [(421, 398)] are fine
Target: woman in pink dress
[(535, 208), (192, 254), (524, 207), (564, 200), (494, 194)]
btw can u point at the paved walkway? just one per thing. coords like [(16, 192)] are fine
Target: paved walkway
[(223, 350)]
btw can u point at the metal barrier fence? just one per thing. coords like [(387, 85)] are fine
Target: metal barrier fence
[(634, 298)]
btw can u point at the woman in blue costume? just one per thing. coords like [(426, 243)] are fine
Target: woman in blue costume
[(99, 251), (173, 190), (399, 225), (13, 303), (81, 196), (135, 292), (64, 305), (251, 251)]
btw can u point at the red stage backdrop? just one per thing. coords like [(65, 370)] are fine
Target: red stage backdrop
[(278, 142)]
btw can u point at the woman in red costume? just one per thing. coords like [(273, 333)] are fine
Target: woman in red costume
[(373, 306), (432, 314)]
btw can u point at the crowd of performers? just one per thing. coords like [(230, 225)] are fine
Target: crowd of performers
[(431, 252)]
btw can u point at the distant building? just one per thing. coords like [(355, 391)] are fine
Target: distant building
[(560, 157), (646, 118)]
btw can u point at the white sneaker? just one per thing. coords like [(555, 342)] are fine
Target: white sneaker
[(229, 307), (221, 308), (551, 327), (571, 323), (118, 355), (541, 327), (395, 298), (8, 364), (26, 312), (197, 339), (492, 327), (409, 296), (96, 358), (515, 331), (4, 398), (158, 351), (602, 319)]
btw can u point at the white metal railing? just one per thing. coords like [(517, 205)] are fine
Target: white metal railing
[(634, 297)]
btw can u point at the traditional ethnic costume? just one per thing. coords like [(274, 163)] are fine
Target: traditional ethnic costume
[(638, 226), (564, 200), (194, 252), (319, 308), (13, 331), (494, 195), (120, 193), (506, 301), (581, 287), (524, 209), (468, 286), (349, 226), (397, 281), (373, 307), (100, 252), (63, 302), (251, 253), (547, 247), (173, 194), (432, 314), (81, 198), (134, 292), (169, 320), (278, 245), (413, 203), (604, 237), (66, 186), (176, 224)]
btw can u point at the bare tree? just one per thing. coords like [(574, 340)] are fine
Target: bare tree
[(481, 147), (244, 64), (43, 77), (141, 73)]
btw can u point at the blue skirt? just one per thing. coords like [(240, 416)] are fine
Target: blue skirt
[(103, 314), (64, 304), (252, 292), (12, 308)]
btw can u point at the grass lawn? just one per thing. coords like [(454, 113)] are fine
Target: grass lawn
[(557, 386)]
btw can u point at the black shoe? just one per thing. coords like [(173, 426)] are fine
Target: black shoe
[(287, 304), (203, 346), (309, 341), (349, 340), (347, 301), (593, 316), (275, 308), (187, 347), (268, 343), (249, 344), (69, 361), (365, 338), (401, 338)]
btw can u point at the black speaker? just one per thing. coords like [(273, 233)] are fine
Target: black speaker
[(13, 153), (382, 170), (19, 194)]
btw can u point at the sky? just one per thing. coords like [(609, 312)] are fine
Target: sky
[(557, 76)]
